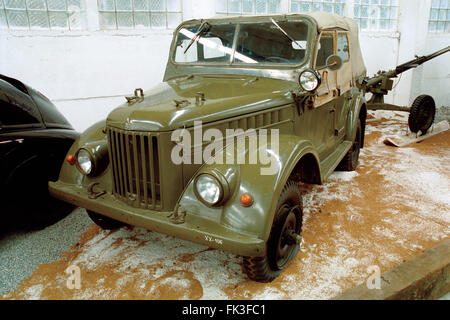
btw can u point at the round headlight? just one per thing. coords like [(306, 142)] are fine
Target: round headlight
[(85, 162), (309, 80), (208, 189)]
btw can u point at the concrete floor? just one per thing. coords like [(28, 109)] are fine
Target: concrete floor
[(395, 206)]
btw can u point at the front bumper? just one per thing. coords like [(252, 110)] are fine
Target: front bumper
[(195, 228)]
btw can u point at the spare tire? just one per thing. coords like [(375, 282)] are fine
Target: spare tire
[(422, 113)]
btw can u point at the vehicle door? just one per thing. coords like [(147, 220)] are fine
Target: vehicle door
[(324, 106), (344, 84)]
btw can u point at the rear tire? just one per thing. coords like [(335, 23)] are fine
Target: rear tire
[(104, 222), (350, 161), (422, 114), (281, 249)]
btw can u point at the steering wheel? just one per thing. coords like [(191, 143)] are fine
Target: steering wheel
[(278, 59)]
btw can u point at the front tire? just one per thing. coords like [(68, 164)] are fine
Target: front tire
[(283, 243), (104, 222)]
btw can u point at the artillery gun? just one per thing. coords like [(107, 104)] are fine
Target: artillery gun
[(422, 111)]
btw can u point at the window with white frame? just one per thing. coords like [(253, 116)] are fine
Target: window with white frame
[(439, 16), (244, 7), (139, 14), (376, 15), (42, 14), (334, 6)]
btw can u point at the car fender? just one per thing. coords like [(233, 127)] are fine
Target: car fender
[(247, 178), (69, 173), (356, 111)]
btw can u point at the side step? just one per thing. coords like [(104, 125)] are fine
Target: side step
[(332, 161)]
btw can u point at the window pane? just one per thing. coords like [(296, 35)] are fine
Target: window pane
[(58, 20), (57, 4), (326, 50), (261, 6), (141, 20), (439, 16), (247, 6), (273, 6), (124, 20), (108, 20), (15, 4), (140, 5), (343, 48), (17, 19), (234, 6), (38, 19), (12, 114), (76, 3), (36, 4), (158, 20), (106, 5), (3, 23), (157, 5), (123, 5)]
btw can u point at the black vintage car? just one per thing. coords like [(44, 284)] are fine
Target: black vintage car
[(34, 139)]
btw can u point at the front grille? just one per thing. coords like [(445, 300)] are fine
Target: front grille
[(135, 166)]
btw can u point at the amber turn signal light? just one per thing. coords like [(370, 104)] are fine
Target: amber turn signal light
[(70, 159), (246, 200)]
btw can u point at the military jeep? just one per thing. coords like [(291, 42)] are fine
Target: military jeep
[(293, 75)]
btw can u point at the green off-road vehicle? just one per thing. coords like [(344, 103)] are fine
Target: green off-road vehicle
[(292, 77)]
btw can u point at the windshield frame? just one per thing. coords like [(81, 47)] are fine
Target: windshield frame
[(238, 21)]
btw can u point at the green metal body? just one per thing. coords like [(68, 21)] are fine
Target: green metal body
[(313, 141)]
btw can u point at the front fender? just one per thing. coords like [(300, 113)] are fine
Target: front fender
[(69, 173), (265, 190)]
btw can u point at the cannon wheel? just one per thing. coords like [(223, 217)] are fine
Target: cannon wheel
[(422, 114)]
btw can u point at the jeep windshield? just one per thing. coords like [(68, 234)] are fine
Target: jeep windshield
[(242, 43)]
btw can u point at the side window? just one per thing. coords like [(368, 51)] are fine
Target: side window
[(343, 47), (15, 113), (325, 50)]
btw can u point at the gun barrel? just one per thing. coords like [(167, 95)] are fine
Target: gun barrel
[(419, 61), (405, 67)]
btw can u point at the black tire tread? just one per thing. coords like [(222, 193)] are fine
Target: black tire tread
[(260, 269), (416, 122)]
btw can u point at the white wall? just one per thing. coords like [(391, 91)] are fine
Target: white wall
[(87, 73)]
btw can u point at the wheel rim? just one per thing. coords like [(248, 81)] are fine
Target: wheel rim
[(425, 117), (286, 249)]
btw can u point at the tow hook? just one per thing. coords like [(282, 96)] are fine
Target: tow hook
[(178, 217), (93, 194)]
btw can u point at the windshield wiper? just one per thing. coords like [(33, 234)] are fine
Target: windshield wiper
[(286, 34), (204, 27)]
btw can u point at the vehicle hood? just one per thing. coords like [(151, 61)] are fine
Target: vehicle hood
[(224, 97)]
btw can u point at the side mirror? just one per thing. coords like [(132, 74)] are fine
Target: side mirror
[(334, 63)]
